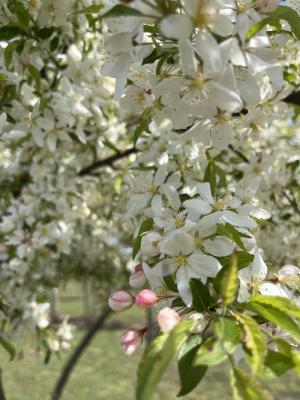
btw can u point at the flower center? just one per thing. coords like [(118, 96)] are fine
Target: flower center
[(180, 261), (197, 82), (219, 205)]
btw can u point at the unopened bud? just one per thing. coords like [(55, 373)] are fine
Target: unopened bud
[(167, 319), (146, 299), (131, 341), (120, 300), (137, 278)]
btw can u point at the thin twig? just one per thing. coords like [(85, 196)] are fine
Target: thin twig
[(107, 162)]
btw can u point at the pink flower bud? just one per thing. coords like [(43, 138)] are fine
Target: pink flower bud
[(120, 300), (146, 298), (266, 6), (137, 278), (167, 319), (131, 341)]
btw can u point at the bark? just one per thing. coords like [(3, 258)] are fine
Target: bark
[(2, 394), (75, 356)]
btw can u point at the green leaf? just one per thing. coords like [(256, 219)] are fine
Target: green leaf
[(276, 364), (145, 226), (143, 125), (120, 10), (8, 347), (215, 350), (210, 175), (178, 303), (202, 299), (296, 360), (9, 32), (246, 387), (261, 24), (232, 233), (277, 317), (23, 17), (170, 283), (211, 352), (254, 341), (9, 52), (190, 375), (283, 304), (157, 357), (54, 43), (45, 33), (35, 74), (229, 282), (289, 15), (93, 9), (228, 333)]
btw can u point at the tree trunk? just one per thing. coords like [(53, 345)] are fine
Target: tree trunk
[(74, 357)]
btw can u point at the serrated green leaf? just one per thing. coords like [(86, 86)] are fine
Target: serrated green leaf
[(228, 333), (254, 341), (158, 356), (8, 346), (289, 15), (277, 317), (276, 364), (211, 352), (145, 226), (229, 282), (282, 303), (120, 10), (202, 299), (247, 387), (190, 375)]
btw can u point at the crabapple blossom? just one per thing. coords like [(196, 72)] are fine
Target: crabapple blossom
[(138, 277), (167, 319), (121, 300), (146, 299), (131, 341)]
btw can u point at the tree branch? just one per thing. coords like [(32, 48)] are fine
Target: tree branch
[(74, 357), (108, 162), (293, 98), (2, 394)]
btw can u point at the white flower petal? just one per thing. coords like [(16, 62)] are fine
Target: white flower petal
[(204, 190), (219, 247), (183, 285), (199, 206), (204, 265), (258, 267)]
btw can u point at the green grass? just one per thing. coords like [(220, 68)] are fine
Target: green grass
[(105, 373)]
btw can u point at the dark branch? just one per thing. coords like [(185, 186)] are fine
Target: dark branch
[(107, 162), (74, 357), (293, 98), (2, 394)]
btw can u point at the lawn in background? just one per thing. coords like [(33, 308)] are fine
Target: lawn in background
[(105, 373)]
